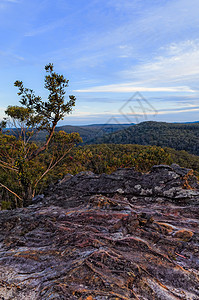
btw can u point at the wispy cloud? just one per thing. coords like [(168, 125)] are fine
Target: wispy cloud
[(174, 111), (5, 3), (45, 28), (11, 1), (126, 88), (178, 63), (175, 70), (181, 114), (11, 55), (145, 26)]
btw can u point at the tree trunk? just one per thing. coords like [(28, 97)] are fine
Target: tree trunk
[(27, 197)]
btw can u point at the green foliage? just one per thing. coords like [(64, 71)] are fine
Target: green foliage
[(5, 205), (105, 158), (99, 159), (39, 114), (27, 162), (21, 114), (177, 136), (2, 125)]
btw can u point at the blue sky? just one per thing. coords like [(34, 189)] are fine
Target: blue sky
[(109, 50)]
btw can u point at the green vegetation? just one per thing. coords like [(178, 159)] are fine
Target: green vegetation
[(87, 132), (105, 158), (177, 136), (24, 163), (99, 159)]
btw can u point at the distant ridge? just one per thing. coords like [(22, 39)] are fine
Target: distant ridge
[(180, 136), (87, 132)]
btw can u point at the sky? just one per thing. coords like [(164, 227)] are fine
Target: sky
[(127, 61)]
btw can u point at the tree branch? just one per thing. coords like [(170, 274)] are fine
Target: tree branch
[(5, 165), (42, 148), (2, 185), (50, 168)]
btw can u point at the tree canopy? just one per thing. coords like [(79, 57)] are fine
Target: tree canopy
[(19, 155)]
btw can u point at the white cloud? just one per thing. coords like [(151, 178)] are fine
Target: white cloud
[(135, 113), (149, 23), (175, 69), (179, 64), (126, 88), (177, 111)]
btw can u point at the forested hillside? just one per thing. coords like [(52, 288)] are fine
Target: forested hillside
[(177, 136), (100, 159), (87, 132), (106, 158)]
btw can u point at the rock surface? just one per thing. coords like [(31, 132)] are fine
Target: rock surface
[(121, 236)]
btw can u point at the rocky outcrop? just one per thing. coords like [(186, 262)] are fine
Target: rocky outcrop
[(163, 183), (121, 236)]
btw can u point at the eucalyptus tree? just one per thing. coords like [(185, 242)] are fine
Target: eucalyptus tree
[(19, 154)]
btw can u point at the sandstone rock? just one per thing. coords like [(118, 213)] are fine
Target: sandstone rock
[(84, 240), (162, 182), (183, 234)]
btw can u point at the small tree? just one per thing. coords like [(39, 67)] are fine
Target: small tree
[(18, 154)]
